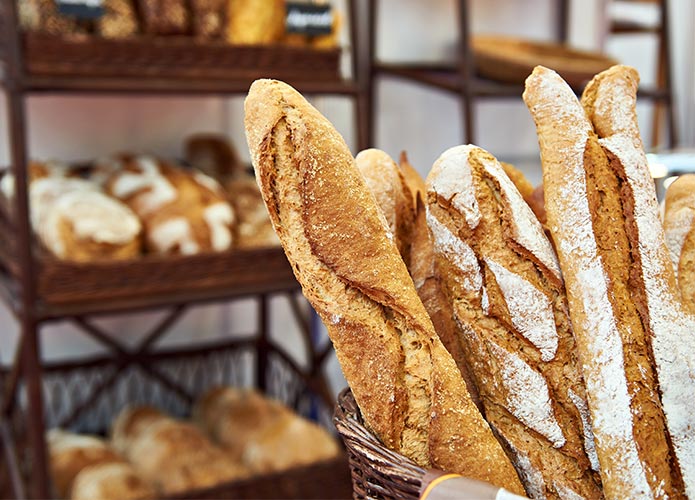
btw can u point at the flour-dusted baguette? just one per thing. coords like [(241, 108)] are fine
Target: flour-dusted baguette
[(679, 229), (503, 281), (610, 102), (585, 217), (405, 382), (388, 185)]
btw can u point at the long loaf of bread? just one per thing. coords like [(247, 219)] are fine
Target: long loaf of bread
[(610, 102), (587, 218), (503, 280), (405, 382)]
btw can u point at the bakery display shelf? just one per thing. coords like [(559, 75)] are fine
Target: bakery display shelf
[(85, 395), (447, 77), (69, 288), (171, 64)]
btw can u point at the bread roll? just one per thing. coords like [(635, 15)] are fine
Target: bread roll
[(406, 384), (593, 232), (173, 455), (214, 155), (183, 212), (111, 481), (70, 453), (252, 22), (253, 227), (78, 222), (610, 102), (234, 417), (118, 20), (388, 185), (679, 220), (262, 433), (503, 281)]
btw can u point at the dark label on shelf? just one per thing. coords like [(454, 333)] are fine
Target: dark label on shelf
[(308, 18), (84, 9)]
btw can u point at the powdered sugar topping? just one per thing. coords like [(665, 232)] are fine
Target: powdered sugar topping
[(530, 309), (527, 395), (451, 178)]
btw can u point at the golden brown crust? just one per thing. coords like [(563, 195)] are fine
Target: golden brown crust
[(679, 220), (390, 188), (176, 456), (583, 204), (406, 384), (513, 320), (111, 481), (70, 453), (413, 179), (519, 179)]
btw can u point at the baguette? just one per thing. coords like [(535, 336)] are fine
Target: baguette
[(610, 102), (582, 195), (388, 185), (404, 381), (679, 221), (413, 179), (503, 281)]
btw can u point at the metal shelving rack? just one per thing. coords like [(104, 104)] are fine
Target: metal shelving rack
[(26, 463), (459, 77)]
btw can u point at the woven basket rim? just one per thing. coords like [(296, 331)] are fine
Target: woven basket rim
[(377, 472)]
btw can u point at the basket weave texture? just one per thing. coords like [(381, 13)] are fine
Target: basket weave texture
[(376, 471)]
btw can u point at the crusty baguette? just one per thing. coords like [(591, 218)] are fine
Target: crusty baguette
[(429, 289), (582, 202), (523, 185), (405, 382), (610, 102), (503, 280), (388, 185), (413, 179), (679, 221)]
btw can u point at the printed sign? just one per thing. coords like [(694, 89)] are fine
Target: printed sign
[(83, 9), (308, 18)]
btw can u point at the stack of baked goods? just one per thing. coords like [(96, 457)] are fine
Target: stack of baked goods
[(235, 434), (216, 156), (238, 22), (126, 206), (570, 365)]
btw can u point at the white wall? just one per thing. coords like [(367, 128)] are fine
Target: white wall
[(422, 121)]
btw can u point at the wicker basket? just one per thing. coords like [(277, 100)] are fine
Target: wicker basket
[(377, 472)]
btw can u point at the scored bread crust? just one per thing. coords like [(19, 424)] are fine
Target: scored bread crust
[(503, 281), (582, 205), (406, 384), (610, 102)]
